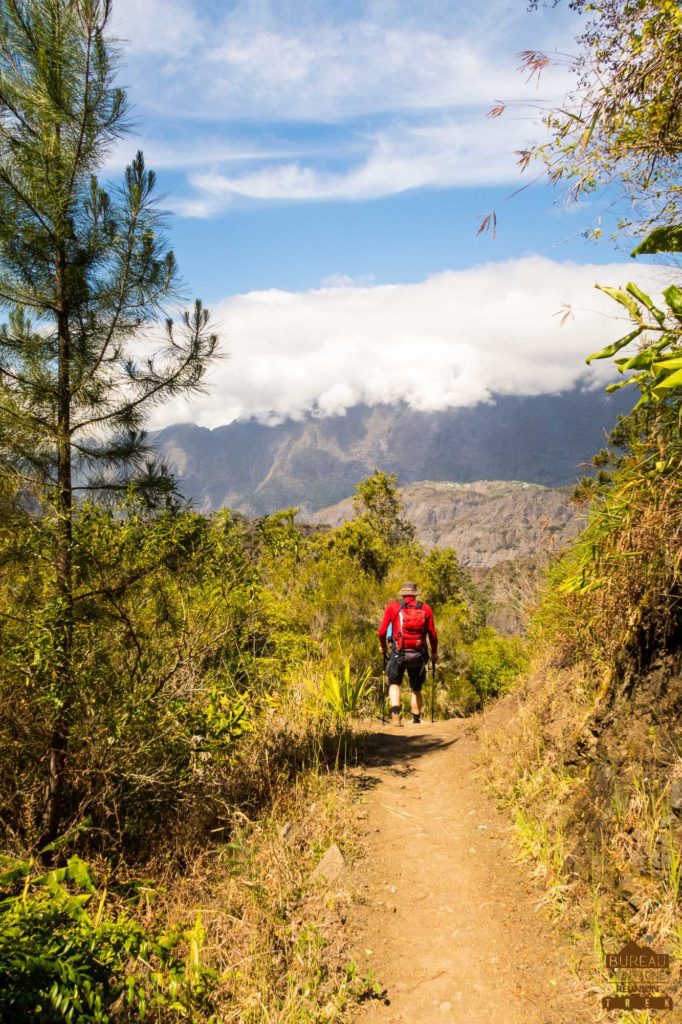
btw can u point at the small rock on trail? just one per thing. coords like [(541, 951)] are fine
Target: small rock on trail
[(330, 866)]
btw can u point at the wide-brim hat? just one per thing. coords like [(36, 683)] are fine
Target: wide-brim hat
[(409, 589)]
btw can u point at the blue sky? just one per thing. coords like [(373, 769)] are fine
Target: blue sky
[(314, 146)]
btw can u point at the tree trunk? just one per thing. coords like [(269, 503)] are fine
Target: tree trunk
[(54, 784)]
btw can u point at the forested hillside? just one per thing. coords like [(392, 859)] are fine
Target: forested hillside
[(216, 661)]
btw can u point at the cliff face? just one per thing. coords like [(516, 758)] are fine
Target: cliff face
[(314, 462), (486, 522)]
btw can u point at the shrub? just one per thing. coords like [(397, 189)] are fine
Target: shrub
[(68, 955), (494, 663)]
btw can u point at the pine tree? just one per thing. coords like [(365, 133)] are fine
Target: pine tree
[(85, 272)]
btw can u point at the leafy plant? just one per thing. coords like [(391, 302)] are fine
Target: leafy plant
[(344, 691), (495, 662), (67, 955), (656, 368), (615, 596)]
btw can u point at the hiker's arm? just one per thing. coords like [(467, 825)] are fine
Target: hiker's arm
[(433, 635), (383, 628)]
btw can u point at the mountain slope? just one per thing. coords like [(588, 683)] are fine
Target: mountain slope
[(315, 462), (487, 522)]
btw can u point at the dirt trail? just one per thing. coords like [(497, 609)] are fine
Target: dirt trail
[(446, 919)]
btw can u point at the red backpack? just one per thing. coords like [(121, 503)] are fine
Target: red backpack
[(411, 628)]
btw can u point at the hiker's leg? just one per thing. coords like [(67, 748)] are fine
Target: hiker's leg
[(417, 677), (395, 678), (394, 674), (394, 695)]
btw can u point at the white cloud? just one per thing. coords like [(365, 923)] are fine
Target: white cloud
[(163, 28), (273, 60), (359, 68), (455, 339), (398, 90), (348, 280), (449, 152)]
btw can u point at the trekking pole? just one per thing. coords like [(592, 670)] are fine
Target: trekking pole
[(433, 685), (383, 688)]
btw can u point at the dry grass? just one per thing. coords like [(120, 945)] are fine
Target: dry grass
[(587, 781), (275, 938), (615, 597)]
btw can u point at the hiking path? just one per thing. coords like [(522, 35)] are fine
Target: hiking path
[(446, 918)]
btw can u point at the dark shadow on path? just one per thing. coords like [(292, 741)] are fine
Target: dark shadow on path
[(396, 750)]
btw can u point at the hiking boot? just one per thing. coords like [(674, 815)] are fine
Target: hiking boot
[(396, 719), (416, 719)]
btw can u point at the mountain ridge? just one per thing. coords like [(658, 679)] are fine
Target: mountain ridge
[(314, 462)]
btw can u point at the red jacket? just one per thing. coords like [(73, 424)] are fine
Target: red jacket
[(391, 616)]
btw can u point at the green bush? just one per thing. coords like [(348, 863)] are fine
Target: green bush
[(187, 629), (344, 692), (67, 956), (494, 663)]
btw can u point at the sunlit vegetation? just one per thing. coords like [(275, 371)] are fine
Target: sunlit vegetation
[(216, 661), (590, 766)]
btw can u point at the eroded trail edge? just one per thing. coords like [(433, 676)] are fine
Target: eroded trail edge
[(445, 918)]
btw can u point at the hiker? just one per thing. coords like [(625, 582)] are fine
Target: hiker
[(409, 622)]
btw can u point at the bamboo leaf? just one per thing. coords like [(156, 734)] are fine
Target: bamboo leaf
[(611, 350), (621, 296), (647, 301), (673, 296), (669, 364), (642, 360), (673, 381), (665, 239)]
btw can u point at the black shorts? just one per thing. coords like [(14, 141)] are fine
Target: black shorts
[(416, 674)]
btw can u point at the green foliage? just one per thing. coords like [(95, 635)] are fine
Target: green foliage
[(661, 239), (622, 122), (443, 579), (344, 692), (657, 367), (366, 547), (495, 662), (189, 630), (69, 952), (378, 504), (615, 597)]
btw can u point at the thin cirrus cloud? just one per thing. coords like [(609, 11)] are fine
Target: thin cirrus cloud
[(400, 90), (450, 152), (456, 339)]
